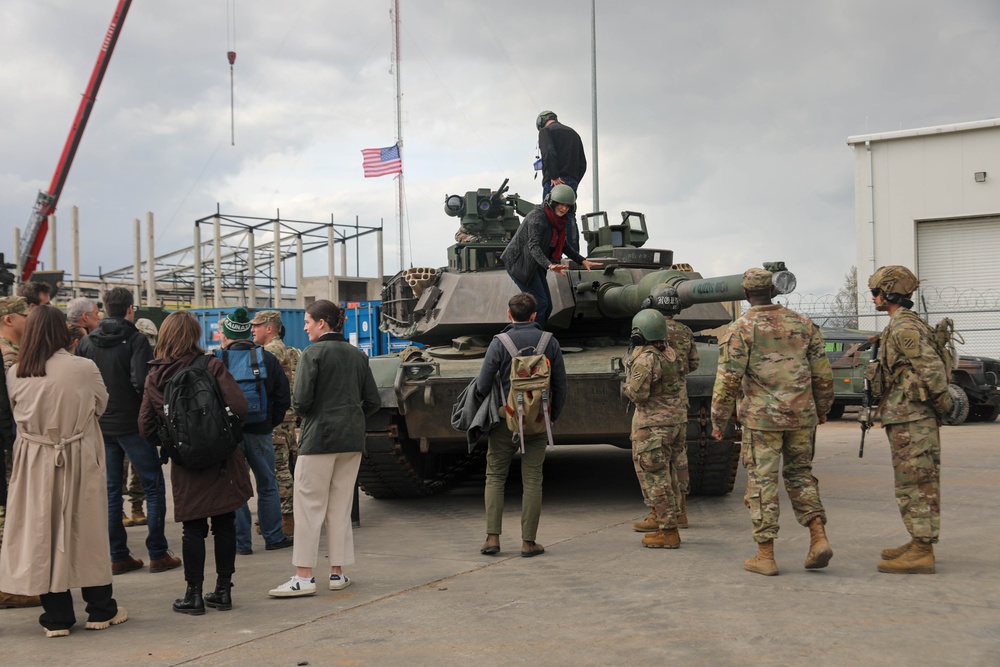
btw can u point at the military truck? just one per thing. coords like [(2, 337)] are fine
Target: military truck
[(454, 312), (849, 351)]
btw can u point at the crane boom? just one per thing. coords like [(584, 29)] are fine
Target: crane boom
[(45, 204)]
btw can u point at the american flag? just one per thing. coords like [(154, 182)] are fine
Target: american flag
[(382, 161)]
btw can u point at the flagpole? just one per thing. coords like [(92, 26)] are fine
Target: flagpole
[(399, 126)]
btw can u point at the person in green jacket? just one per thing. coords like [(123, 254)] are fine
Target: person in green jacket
[(334, 392)]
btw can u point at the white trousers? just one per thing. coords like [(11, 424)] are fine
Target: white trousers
[(324, 492)]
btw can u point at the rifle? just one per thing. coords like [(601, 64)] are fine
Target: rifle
[(867, 400)]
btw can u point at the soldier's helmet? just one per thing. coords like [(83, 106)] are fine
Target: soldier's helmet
[(894, 279), (664, 299), (545, 117), (650, 325), (562, 194)]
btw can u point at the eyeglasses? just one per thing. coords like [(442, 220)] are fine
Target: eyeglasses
[(876, 291)]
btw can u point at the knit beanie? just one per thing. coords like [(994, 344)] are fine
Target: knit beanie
[(236, 325)]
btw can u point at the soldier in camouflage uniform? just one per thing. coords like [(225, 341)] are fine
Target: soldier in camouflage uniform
[(653, 383), (13, 314), (777, 358), (913, 383), (266, 327), (681, 339)]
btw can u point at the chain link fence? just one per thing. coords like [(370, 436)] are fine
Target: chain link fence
[(976, 314)]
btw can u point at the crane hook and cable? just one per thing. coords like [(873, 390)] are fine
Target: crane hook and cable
[(231, 56)]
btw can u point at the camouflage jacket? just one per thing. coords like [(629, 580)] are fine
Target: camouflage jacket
[(777, 357), (682, 340), (289, 358), (913, 374), (10, 350), (653, 382)]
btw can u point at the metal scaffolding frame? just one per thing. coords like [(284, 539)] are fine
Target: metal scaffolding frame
[(237, 261)]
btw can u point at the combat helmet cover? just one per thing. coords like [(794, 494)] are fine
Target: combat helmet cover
[(650, 324), (894, 279)]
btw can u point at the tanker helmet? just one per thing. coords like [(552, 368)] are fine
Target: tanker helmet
[(894, 279), (562, 194), (650, 325), (664, 299), (545, 117)]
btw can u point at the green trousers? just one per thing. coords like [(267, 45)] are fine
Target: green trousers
[(498, 457)]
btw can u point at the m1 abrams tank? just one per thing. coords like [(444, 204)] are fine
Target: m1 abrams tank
[(455, 311)]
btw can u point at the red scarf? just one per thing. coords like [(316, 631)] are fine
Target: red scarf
[(558, 233)]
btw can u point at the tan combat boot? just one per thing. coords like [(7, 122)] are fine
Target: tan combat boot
[(682, 515), (11, 601), (127, 522), (890, 554), (667, 538), (288, 524), (763, 562), (138, 516), (820, 552), (648, 524), (919, 559)]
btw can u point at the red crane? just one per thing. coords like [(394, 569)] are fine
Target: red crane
[(45, 205)]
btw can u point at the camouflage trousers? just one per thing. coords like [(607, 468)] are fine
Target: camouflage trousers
[(763, 452), (916, 464), (655, 453), (131, 486), (285, 452)]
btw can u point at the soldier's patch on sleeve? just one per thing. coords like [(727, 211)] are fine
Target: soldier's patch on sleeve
[(909, 342)]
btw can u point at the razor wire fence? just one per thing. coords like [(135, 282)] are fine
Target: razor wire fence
[(976, 314)]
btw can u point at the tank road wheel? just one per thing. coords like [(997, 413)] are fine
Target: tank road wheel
[(712, 464), (393, 466)]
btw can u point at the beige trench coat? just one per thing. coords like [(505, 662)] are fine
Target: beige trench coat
[(57, 503)]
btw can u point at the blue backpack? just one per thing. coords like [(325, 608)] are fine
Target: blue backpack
[(248, 369)]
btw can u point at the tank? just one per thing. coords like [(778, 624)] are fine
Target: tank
[(454, 311)]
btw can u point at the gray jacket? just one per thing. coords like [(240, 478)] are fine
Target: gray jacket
[(531, 248)]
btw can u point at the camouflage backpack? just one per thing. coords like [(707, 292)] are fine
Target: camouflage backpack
[(528, 400)]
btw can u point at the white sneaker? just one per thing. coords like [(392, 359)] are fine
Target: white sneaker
[(339, 581), (294, 588)]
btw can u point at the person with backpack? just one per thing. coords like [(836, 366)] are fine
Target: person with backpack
[(200, 493), (265, 386), (912, 381), (335, 392), (526, 336)]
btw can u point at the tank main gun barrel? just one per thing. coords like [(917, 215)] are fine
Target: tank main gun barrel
[(626, 300)]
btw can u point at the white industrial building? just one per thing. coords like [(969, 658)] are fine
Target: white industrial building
[(929, 199)]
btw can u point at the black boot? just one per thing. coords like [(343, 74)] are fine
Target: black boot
[(192, 603), (220, 598)]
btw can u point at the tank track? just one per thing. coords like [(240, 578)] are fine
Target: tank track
[(712, 464), (389, 467)]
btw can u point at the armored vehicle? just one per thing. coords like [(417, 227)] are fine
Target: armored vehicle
[(849, 351), (454, 312)]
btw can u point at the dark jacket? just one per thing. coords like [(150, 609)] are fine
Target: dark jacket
[(121, 354), (276, 385), (198, 493), (497, 362), (531, 248), (6, 435), (334, 392), (477, 414), (562, 153)]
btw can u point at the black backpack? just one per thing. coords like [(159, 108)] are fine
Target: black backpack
[(199, 430)]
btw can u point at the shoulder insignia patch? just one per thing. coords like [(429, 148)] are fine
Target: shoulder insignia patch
[(909, 343)]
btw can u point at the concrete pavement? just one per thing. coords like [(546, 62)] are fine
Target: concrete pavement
[(422, 594)]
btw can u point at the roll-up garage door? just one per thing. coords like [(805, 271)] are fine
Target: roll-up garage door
[(958, 262)]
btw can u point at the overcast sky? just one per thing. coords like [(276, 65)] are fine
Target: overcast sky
[(724, 122)]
